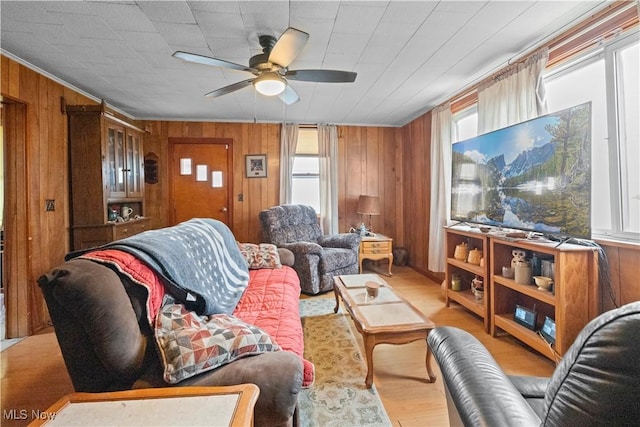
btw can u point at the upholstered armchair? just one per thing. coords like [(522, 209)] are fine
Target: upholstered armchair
[(318, 257), (596, 383)]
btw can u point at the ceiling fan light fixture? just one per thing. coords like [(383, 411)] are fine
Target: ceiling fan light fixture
[(270, 84)]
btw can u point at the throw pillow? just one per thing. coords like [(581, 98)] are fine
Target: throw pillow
[(264, 255), (190, 344)]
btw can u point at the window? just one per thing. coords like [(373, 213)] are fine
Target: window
[(627, 69), (568, 88), (465, 123), (305, 180), (609, 79)]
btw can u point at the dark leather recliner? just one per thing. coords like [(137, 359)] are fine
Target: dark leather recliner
[(318, 258), (597, 382)]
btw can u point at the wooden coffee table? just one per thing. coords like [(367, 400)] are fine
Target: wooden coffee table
[(386, 319)]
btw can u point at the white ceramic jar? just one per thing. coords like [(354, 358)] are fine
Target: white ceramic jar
[(523, 273)]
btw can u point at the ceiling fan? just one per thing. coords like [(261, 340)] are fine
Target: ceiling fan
[(270, 67)]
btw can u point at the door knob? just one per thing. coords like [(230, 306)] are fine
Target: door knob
[(223, 209)]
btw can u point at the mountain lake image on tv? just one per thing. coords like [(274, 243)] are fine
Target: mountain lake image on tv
[(533, 176)]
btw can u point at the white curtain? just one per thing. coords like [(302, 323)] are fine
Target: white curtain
[(328, 156), (288, 143), (441, 138), (515, 95)]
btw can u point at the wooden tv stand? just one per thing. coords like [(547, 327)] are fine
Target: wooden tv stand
[(476, 240), (572, 303)]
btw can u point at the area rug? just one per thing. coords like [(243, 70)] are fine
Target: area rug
[(338, 396)]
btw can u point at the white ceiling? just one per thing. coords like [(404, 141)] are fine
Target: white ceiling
[(410, 56)]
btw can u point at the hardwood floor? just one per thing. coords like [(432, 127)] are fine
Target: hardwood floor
[(34, 375), (399, 370)]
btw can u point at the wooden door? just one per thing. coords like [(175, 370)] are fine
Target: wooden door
[(201, 179)]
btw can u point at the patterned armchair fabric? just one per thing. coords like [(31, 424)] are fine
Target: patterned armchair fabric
[(318, 258)]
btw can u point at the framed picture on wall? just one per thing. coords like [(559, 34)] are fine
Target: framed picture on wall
[(256, 165)]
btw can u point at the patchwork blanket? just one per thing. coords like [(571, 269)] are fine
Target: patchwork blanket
[(199, 260)]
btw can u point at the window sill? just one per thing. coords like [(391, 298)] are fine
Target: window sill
[(617, 243)]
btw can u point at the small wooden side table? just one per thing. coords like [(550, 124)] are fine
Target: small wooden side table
[(221, 406), (375, 248)]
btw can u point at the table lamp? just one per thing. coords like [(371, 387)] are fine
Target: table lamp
[(368, 205)]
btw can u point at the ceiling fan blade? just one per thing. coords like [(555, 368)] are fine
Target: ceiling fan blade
[(289, 96), (288, 46), (228, 89), (207, 60), (322, 76)]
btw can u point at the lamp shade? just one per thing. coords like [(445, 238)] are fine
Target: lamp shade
[(270, 84), (369, 205)]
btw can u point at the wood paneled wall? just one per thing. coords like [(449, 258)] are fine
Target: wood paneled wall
[(624, 271), (248, 138), (367, 164), (36, 240), (416, 148)]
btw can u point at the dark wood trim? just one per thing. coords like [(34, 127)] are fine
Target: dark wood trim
[(105, 112), (465, 101), (121, 121), (602, 26), (17, 246)]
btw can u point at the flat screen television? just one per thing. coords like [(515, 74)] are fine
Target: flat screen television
[(532, 176)]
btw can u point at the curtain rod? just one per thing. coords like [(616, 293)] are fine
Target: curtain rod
[(596, 17)]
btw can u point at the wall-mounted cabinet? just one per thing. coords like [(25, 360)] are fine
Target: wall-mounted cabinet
[(124, 162), (460, 272), (571, 303), (106, 162)]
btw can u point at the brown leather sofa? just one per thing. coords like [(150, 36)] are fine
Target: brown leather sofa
[(107, 343), (597, 382)]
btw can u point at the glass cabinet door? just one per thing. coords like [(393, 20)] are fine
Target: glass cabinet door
[(115, 161), (135, 170)]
